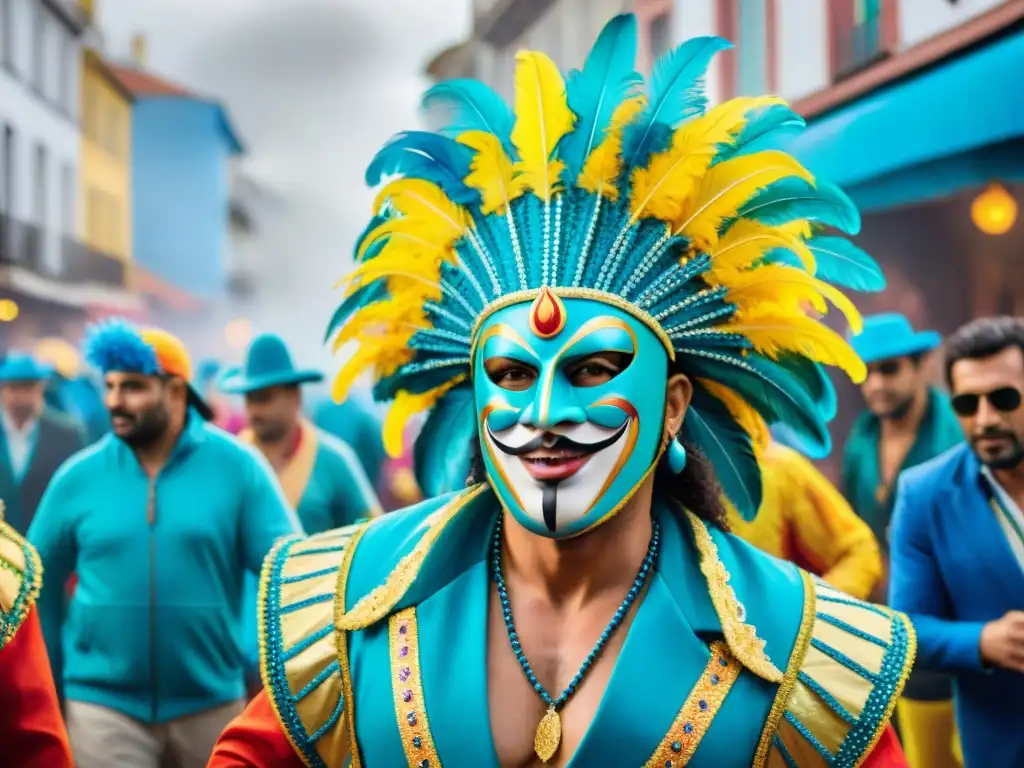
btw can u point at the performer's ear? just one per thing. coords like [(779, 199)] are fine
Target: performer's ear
[(677, 400)]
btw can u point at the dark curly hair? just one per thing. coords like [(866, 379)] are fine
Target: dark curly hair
[(696, 488)]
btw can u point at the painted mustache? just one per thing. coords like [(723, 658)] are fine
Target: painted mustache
[(561, 442)]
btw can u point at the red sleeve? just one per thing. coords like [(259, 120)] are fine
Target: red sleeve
[(30, 719), (255, 740), (887, 752)]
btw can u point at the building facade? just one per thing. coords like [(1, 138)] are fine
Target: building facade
[(181, 149)]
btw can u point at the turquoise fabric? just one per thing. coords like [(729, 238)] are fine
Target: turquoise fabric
[(891, 335), (670, 633), (355, 425), (939, 430), (267, 364), (154, 629), (843, 146), (338, 492)]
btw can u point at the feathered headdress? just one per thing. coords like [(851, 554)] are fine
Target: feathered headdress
[(689, 218)]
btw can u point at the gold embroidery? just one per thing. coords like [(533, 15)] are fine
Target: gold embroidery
[(699, 710), (21, 577), (796, 658), (341, 642), (742, 638), (407, 685), (379, 602)]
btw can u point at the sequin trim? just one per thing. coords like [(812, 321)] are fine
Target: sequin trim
[(796, 659), (407, 686), (30, 580), (698, 711)]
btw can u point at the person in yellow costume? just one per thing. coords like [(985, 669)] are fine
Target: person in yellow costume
[(805, 520)]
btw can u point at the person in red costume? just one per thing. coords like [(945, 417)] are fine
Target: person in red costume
[(32, 733)]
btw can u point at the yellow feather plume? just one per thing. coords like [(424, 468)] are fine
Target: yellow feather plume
[(426, 212), (374, 352), (745, 415), (490, 171), (789, 288), (405, 406), (726, 187), (748, 241), (673, 176), (543, 117), (604, 162), (774, 331)]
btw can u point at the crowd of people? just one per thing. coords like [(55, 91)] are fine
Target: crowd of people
[(185, 583)]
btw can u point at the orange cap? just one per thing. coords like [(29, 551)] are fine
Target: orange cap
[(171, 353)]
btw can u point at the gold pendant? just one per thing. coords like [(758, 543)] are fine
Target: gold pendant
[(548, 735)]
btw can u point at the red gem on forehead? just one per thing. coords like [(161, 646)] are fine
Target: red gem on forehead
[(547, 314)]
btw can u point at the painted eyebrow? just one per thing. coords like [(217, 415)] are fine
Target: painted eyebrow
[(508, 333)]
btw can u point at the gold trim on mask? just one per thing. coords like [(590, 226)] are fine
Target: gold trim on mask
[(611, 299), (486, 440), (627, 450), (506, 331)]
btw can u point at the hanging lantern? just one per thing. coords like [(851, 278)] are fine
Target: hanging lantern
[(994, 210)]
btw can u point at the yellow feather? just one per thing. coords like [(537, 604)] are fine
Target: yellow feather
[(745, 415), (726, 187), (773, 332), (405, 406), (787, 287), (604, 163), (543, 117), (426, 212), (748, 241), (673, 176), (490, 171)]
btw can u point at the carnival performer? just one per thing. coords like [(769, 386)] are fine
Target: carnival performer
[(604, 291), (161, 520), (32, 731), (804, 519)]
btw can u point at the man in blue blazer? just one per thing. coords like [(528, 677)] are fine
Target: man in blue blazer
[(958, 544)]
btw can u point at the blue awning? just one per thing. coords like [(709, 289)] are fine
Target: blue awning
[(955, 126)]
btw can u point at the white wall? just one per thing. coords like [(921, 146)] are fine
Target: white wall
[(921, 19), (802, 47), (37, 119), (696, 18)]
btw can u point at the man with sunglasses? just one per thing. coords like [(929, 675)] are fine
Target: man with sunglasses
[(907, 422), (958, 544)]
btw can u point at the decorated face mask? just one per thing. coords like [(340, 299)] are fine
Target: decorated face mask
[(570, 399)]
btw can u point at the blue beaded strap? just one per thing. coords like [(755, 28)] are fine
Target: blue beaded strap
[(616, 621)]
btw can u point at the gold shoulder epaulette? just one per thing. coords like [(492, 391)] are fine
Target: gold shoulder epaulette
[(21, 576), (841, 685)]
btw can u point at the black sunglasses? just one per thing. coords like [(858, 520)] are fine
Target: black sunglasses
[(1004, 400)]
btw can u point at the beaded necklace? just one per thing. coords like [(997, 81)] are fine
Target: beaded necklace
[(549, 731)]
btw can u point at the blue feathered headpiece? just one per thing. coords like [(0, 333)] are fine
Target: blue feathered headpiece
[(689, 218), (117, 345)]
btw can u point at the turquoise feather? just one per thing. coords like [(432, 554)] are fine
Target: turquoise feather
[(427, 156), (766, 129), (365, 294), (607, 79), (472, 106), (677, 93), (793, 198), (710, 426), (443, 452), (842, 263)]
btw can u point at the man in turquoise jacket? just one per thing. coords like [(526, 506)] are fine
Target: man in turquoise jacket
[(160, 520)]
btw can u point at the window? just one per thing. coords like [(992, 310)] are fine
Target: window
[(751, 47), (67, 194), (7, 172), (860, 33), (64, 67), (39, 47), (661, 35), (6, 34), (41, 191)]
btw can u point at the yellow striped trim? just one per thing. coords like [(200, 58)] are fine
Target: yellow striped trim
[(341, 641), (407, 685), (699, 710)]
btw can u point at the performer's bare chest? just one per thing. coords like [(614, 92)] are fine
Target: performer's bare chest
[(556, 646)]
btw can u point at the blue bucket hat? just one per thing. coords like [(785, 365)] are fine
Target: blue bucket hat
[(267, 364), (891, 335), (20, 366)]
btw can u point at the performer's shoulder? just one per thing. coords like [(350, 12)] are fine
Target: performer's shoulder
[(21, 576), (845, 674)]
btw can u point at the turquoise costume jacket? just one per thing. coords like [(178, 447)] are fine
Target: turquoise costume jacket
[(154, 629), (374, 651)]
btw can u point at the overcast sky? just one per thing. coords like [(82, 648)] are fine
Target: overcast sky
[(314, 87)]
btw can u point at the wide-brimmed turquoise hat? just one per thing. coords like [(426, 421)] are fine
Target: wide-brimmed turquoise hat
[(891, 335), (267, 364), (20, 366)]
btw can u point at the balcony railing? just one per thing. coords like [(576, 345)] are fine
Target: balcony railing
[(22, 245), (860, 47), (82, 264)]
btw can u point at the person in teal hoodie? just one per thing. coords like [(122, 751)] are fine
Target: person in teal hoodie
[(320, 475), (160, 519)]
